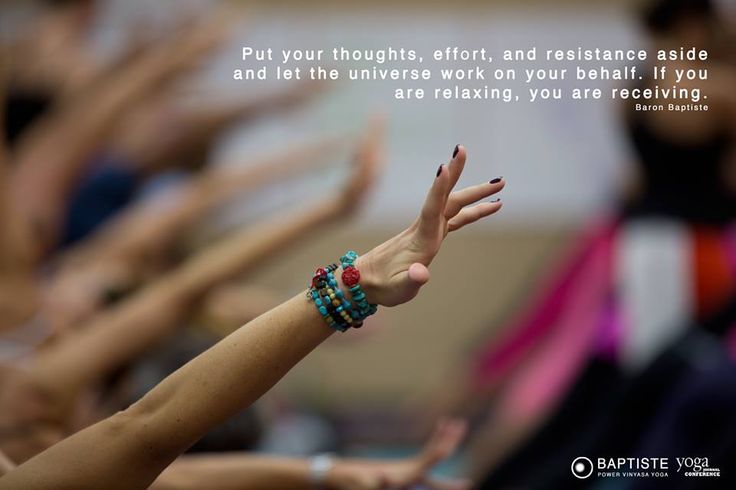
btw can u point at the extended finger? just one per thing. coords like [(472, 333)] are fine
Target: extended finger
[(368, 160), (434, 205), (464, 197), (457, 164), (443, 443), (473, 214)]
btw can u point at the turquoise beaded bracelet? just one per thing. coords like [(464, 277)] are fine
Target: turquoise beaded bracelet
[(337, 310), (330, 301), (351, 278)]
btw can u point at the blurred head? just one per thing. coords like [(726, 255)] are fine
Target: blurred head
[(690, 22), (69, 3), (84, 10)]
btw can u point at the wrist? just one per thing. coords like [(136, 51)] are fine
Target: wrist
[(368, 279), (341, 476), (321, 471)]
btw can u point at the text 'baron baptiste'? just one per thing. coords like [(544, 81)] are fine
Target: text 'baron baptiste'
[(671, 107)]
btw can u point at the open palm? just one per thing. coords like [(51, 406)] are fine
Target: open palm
[(394, 271)]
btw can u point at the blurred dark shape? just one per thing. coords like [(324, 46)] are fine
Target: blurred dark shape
[(664, 16), (681, 405), (22, 109)]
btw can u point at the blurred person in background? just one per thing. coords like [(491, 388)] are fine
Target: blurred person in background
[(631, 290), (67, 371)]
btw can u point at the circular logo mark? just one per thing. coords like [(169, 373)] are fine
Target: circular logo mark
[(582, 467)]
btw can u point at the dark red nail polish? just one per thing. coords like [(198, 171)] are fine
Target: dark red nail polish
[(496, 180), (439, 170), (457, 149), (497, 200)]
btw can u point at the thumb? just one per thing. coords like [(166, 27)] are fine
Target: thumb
[(418, 274), (405, 285)]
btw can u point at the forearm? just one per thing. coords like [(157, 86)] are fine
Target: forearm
[(115, 337), (154, 431), (231, 375), (45, 174), (151, 227), (130, 449), (6, 465), (235, 472), (211, 120), (236, 254)]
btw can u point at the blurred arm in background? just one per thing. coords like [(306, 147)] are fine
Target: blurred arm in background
[(251, 472), (52, 156), (138, 240), (163, 132), (131, 448), (60, 372)]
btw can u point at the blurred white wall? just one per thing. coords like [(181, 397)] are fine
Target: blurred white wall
[(562, 160)]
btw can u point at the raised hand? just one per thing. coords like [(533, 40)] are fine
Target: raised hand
[(393, 272), (367, 164), (400, 474)]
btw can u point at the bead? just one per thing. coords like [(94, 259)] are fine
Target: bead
[(350, 276), (322, 310), (335, 303), (349, 257), (318, 277), (318, 302)]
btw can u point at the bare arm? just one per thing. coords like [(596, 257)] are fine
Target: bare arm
[(6, 465), (149, 225), (123, 332), (51, 158), (254, 472), (131, 448)]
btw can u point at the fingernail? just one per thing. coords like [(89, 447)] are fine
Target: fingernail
[(496, 180), (497, 200), (457, 149), (439, 170)]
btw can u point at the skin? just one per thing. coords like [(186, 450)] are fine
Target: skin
[(44, 176), (249, 472), (51, 53), (43, 399), (6, 465), (163, 132), (130, 449), (135, 244)]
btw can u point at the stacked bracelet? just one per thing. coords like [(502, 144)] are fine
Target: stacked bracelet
[(328, 298), (337, 311), (351, 278)]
